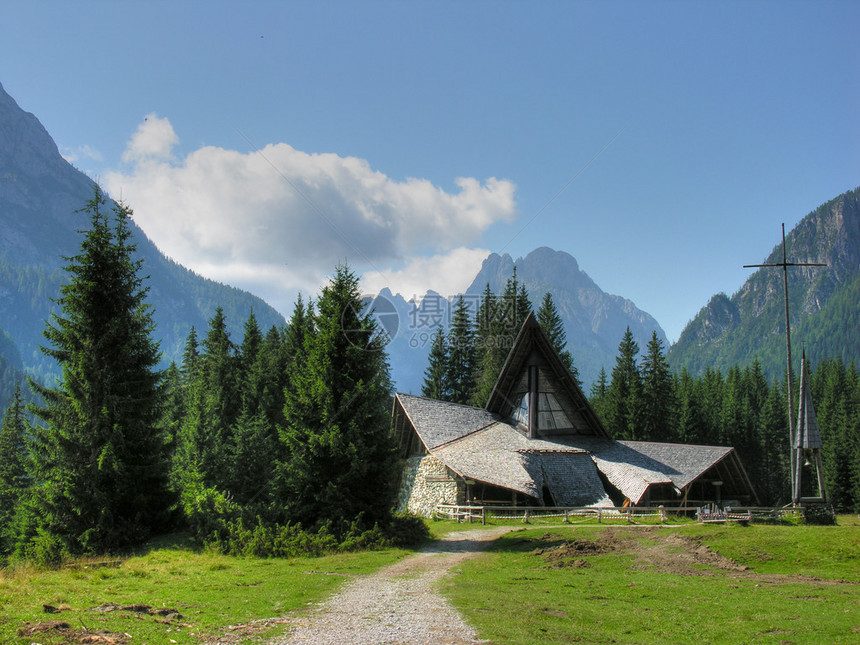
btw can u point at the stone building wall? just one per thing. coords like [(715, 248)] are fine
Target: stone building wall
[(426, 482)]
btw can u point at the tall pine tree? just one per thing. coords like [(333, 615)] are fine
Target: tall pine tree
[(100, 477), (658, 405), (339, 463), (462, 355), (14, 479), (436, 375), (625, 392)]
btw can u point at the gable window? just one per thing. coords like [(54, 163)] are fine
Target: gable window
[(521, 414), (550, 415)]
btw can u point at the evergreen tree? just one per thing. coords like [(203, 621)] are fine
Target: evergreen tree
[(624, 394), (690, 420), (220, 400), (487, 334), (13, 464), (711, 398), (249, 367), (658, 403), (274, 372), (190, 357), (552, 324), (173, 409), (339, 459), (253, 453), (597, 398), (773, 482), (435, 376), (100, 464), (300, 329), (837, 405), (462, 355)]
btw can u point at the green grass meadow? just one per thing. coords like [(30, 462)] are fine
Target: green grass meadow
[(801, 584), (547, 584), (208, 594)]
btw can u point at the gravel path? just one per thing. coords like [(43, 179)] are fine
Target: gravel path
[(397, 605)]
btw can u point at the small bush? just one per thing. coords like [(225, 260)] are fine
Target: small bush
[(292, 540), (45, 549), (209, 513)]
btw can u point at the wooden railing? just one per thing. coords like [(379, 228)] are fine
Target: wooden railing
[(629, 514)]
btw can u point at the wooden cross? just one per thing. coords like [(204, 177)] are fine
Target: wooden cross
[(794, 440)]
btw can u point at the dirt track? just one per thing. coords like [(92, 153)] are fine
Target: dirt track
[(398, 604)]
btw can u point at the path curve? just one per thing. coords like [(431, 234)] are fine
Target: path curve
[(399, 604)]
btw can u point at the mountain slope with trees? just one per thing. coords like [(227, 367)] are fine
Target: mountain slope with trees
[(824, 302), (40, 194)]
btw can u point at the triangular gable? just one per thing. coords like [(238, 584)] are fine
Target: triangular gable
[(536, 389)]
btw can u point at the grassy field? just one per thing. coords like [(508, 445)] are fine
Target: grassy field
[(688, 583), (586, 583), (172, 593)]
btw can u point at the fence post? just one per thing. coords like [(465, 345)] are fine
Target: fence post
[(483, 515), (599, 515), (526, 517), (566, 517)]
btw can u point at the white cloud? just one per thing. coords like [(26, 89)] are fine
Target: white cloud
[(154, 139), (447, 274), (279, 220)]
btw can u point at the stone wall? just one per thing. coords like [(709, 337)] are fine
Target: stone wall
[(426, 482)]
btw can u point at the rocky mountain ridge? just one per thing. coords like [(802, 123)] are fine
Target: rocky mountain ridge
[(594, 320)]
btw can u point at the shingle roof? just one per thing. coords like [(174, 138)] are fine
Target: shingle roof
[(807, 422), (501, 456), (477, 444), (438, 422), (573, 480), (632, 466)]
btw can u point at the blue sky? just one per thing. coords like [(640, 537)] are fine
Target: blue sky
[(262, 143)]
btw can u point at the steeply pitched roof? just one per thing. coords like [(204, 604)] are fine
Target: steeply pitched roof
[(531, 338)]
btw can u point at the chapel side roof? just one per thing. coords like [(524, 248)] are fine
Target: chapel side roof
[(501, 456), (633, 466), (532, 337), (682, 463), (438, 422)]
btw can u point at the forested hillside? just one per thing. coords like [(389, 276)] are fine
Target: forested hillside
[(824, 303), (272, 445)]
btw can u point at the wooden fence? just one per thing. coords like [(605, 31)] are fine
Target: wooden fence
[(628, 514)]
